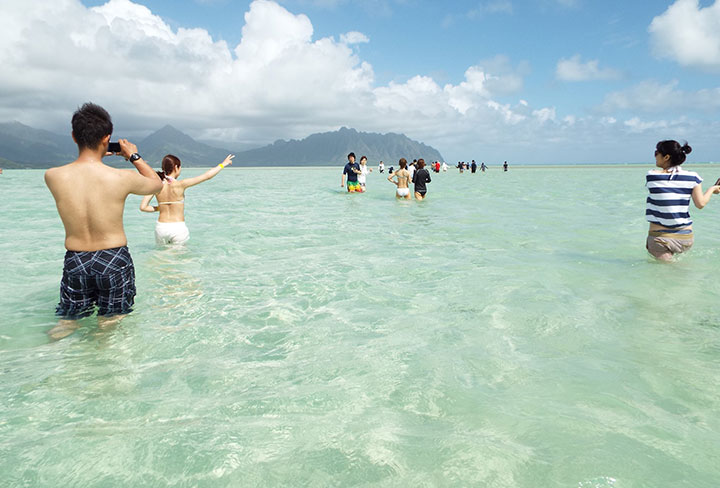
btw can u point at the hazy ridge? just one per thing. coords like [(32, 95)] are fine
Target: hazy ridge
[(22, 146)]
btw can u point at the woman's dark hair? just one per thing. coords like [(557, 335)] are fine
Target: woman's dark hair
[(421, 163), (403, 163), (169, 163), (363, 157), (674, 150), (90, 123)]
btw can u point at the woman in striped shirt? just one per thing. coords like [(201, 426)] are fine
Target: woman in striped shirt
[(671, 189)]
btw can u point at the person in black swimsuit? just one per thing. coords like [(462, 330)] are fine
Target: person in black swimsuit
[(420, 177)]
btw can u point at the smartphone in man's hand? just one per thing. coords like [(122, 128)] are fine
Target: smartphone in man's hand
[(114, 147)]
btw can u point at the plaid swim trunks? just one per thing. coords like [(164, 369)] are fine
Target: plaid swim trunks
[(105, 278)]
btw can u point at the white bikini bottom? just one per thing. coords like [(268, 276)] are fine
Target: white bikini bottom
[(171, 233)]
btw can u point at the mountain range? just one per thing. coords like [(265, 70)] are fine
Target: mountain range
[(22, 146)]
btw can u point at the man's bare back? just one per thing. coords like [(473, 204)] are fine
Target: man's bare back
[(90, 198)]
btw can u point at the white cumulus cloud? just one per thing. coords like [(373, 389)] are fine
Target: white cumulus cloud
[(574, 69), (688, 34), (545, 114), (354, 37), (652, 97), (635, 124), (278, 81), (126, 58)]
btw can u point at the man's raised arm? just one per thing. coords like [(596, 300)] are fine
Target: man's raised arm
[(151, 182)]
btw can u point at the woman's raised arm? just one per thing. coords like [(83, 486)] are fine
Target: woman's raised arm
[(188, 182)]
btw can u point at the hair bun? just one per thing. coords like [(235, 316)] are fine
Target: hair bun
[(686, 149)]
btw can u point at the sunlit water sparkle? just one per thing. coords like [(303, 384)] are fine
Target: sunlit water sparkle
[(509, 331)]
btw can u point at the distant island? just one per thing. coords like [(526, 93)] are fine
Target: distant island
[(22, 146)]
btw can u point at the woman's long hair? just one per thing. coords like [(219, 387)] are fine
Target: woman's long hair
[(169, 163)]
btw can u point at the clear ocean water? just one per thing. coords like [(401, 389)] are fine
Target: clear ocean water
[(509, 331)]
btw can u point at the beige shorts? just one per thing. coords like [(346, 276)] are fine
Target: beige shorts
[(660, 242)]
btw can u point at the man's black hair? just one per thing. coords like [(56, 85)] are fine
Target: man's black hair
[(90, 123)]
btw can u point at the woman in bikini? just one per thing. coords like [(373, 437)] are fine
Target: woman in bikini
[(170, 227), (403, 180)]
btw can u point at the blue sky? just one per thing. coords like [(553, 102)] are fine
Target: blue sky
[(529, 81)]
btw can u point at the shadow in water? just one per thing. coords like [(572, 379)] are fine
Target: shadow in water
[(173, 290)]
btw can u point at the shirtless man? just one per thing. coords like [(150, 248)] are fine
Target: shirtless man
[(403, 180), (90, 199)]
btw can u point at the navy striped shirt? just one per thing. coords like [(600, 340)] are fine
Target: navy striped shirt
[(669, 197)]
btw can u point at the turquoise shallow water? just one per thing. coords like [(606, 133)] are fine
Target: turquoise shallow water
[(509, 331)]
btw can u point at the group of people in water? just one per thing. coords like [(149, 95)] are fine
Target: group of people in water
[(354, 177), (98, 270), (473, 166)]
